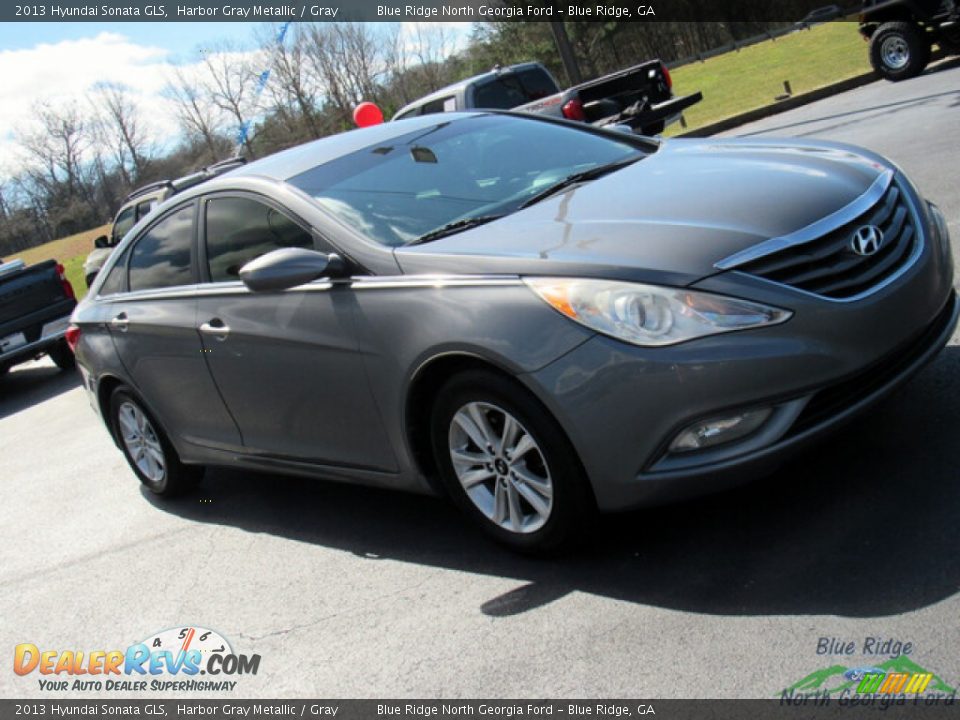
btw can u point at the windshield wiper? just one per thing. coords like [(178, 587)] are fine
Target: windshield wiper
[(454, 227), (579, 177)]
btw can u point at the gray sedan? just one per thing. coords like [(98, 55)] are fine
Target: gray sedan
[(536, 318)]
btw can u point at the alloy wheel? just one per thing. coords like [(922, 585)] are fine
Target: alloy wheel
[(501, 467), (142, 442)]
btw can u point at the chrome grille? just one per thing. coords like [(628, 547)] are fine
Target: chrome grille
[(828, 265)]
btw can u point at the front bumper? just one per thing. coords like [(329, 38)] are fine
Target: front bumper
[(622, 437)]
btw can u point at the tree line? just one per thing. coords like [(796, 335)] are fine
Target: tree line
[(80, 159)]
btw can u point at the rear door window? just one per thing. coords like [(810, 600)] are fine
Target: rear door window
[(240, 229), (161, 256), (116, 281)]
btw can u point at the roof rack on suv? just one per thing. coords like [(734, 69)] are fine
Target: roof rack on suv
[(159, 184), (182, 183)]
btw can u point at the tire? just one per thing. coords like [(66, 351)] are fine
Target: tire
[(147, 448), (536, 501), (62, 356), (898, 51)]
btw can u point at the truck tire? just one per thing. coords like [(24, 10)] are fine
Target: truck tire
[(898, 51), (62, 356)]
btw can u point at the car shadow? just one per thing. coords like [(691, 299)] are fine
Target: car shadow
[(861, 525), (31, 384)]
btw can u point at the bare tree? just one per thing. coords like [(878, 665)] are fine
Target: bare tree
[(349, 62), (229, 81), (118, 128), (199, 118), (293, 87)]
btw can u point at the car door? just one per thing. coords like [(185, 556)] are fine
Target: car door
[(286, 363), (152, 321)]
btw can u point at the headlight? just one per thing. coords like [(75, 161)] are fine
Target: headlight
[(650, 315)]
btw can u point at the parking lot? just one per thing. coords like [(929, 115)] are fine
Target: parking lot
[(352, 592)]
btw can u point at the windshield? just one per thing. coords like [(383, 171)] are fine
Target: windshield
[(486, 165)]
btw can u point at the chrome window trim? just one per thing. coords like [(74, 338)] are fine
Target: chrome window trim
[(918, 247), (236, 287), (815, 230)]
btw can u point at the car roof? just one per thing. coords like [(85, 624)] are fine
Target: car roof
[(457, 86), (289, 163)]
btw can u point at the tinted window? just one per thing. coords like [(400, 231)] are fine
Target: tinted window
[(241, 229), (514, 88), (116, 280), (161, 255), (122, 224), (401, 189), (445, 104)]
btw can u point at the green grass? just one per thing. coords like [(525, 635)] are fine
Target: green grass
[(736, 82), (73, 268)]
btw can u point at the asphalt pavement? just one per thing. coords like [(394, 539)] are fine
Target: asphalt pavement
[(352, 592)]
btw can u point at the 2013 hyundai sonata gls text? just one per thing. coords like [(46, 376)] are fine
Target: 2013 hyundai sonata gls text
[(537, 318)]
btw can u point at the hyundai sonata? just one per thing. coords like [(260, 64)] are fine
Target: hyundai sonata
[(536, 318)]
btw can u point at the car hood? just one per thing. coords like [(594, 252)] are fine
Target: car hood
[(668, 218)]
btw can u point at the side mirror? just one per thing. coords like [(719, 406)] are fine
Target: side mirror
[(289, 267), (101, 242)]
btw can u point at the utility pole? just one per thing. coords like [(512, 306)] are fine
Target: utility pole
[(566, 52)]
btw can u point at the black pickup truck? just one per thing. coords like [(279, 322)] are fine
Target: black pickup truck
[(640, 97), (35, 307)]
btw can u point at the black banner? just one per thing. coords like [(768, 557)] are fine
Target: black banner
[(796, 707), (431, 10)]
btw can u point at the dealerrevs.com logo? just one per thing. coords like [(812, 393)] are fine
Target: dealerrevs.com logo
[(168, 661)]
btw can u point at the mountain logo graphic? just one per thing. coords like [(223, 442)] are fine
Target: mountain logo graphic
[(895, 676)]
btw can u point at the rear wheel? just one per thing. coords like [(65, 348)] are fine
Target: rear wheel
[(898, 51), (62, 356), (147, 448), (507, 463)]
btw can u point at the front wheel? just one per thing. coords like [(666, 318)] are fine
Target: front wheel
[(147, 449), (507, 463), (899, 51)]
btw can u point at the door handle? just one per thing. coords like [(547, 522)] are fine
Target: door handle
[(120, 322), (217, 328)]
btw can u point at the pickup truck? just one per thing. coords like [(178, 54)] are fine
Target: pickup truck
[(640, 97), (35, 307)]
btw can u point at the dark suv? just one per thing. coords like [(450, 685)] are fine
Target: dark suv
[(139, 203)]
